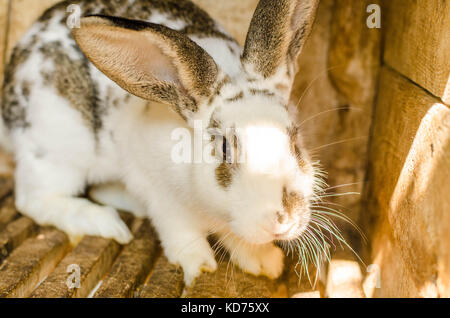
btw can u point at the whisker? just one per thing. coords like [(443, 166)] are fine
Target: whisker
[(323, 73), (331, 228), (314, 245), (304, 257), (340, 238), (343, 185), (329, 203), (345, 218), (221, 247), (339, 194), (320, 226), (312, 255), (317, 261), (230, 260), (326, 112), (326, 246), (338, 142)]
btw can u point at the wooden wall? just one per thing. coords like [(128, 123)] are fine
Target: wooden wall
[(4, 10), (408, 202)]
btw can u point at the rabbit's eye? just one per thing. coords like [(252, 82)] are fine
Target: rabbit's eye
[(225, 149)]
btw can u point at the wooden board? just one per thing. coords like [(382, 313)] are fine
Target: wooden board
[(166, 281), (4, 8), (418, 43), (93, 256), (7, 212), (133, 265), (22, 15), (233, 15), (6, 186), (14, 234), (230, 282), (354, 55), (27, 265), (82, 269), (408, 190)]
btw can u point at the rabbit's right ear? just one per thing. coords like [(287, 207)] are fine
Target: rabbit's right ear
[(277, 34), (150, 61)]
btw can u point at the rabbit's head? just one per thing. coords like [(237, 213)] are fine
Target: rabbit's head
[(262, 181)]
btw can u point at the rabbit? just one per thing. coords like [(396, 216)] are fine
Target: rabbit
[(97, 106)]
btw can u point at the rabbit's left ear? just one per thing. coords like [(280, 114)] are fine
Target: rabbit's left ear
[(150, 61), (277, 33)]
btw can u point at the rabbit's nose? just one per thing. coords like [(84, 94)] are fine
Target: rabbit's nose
[(282, 217)]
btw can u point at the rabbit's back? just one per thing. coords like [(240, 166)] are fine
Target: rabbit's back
[(47, 58)]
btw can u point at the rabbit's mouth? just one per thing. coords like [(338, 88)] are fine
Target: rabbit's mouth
[(287, 234), (293, 231), (270, 230)]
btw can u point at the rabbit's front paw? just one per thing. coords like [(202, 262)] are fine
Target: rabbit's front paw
[(194, 261), (91, 219), (272, 261), (265, 260)]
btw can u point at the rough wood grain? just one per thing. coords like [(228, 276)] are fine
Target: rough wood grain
[(353, 64), (354, 55), (3, 35), (14, 234), (31, 262), (408, 191), (166, 281), (22, 15), (6, 162), (93, 255), (233, 15), (231, 282), (418, 43), (7, 211), (6, 186), (132, 265)]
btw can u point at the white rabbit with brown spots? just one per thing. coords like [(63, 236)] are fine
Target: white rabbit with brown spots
[(97, 106)]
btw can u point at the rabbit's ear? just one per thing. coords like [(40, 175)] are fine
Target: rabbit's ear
[(277, 33), (149, 60)]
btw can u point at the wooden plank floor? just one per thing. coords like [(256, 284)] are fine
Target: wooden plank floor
[(40, 262)]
